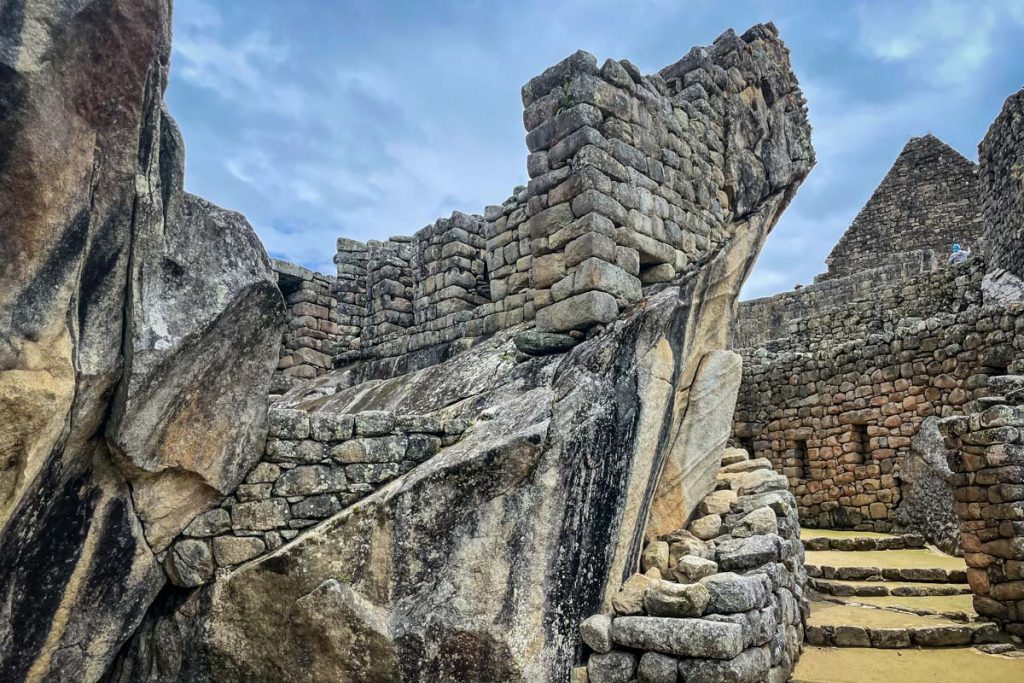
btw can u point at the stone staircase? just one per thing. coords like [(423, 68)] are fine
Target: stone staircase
[(887, 607)]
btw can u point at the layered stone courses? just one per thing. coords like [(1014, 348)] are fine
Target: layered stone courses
[(315, 465), (836, 414), (313, 335), (730, 607), (1001, 157), (986, 454), (635, 181)]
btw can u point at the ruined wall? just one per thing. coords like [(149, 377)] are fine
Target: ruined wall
[(1001, 156), (315, 465), (927, 200), (986, 454), (907, 288), (835, 408), (312, 336), (635, 181)]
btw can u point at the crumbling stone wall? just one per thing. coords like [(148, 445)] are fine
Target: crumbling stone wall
[(928, 200), (1001, 155), (835, 411), (315, 465), (904, 289), (986, 454), (635, 181), (312, 337), (720, 600)]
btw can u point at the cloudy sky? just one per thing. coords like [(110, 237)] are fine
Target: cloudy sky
[(369, 118)]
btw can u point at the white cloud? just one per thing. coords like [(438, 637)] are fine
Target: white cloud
[(947, 42)]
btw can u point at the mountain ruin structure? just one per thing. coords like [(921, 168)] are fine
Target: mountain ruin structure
[(543, 443)]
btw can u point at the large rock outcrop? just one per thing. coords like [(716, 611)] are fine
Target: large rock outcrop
[(138, 329), (481, 562)]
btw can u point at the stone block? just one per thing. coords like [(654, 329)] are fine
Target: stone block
[(596, 632), (330, 426), (670, 599), (288, 424), (595, 274), (615, 667), (679, 637), (229, 550), (374, 423), (216, 521), (579, 312), (262, 515), (372, 450), (307, 480)]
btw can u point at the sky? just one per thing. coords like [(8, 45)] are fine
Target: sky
[(320, 119)]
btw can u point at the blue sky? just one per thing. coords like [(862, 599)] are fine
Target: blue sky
[(366, 119)]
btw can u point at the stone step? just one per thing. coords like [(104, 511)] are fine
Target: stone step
[(952, 607), (846, 589), (859, 542), (731, 456), (860, 665), (845, 625), (925, 565)]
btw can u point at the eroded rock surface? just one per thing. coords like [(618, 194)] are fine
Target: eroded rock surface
[(138, 329)]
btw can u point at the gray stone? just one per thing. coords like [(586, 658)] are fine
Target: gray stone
[(596, 632), (615, 667), (308, 480), (542, 343), (229, 550), (750, 666), (421, 447), (746, 553), (374, 423), (264, 472), (189, 563), (679, 637), (331, 427), (690, 568), (212, 523), (579, 312), (760, 521), (373, 450), (288, 424), (657, 668), (670, 599), (260, 516), (373, 474), (730, 593), (316, 507)]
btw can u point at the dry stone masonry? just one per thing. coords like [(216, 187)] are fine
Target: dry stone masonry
[(931, 192), (635, 181), (315, 465), (722, 600), (1001, 155), (986, 454), (313, 334)]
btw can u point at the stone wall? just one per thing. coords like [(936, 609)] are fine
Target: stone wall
[(843, 309), (758, 321), (315, 465), (312, 336), (722, 600), (836, 413), (928, 199), (635, 181), (986, 454), (1001, 155)]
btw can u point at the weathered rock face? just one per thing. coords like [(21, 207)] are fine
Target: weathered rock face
[(927, 506), (138, 329)]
